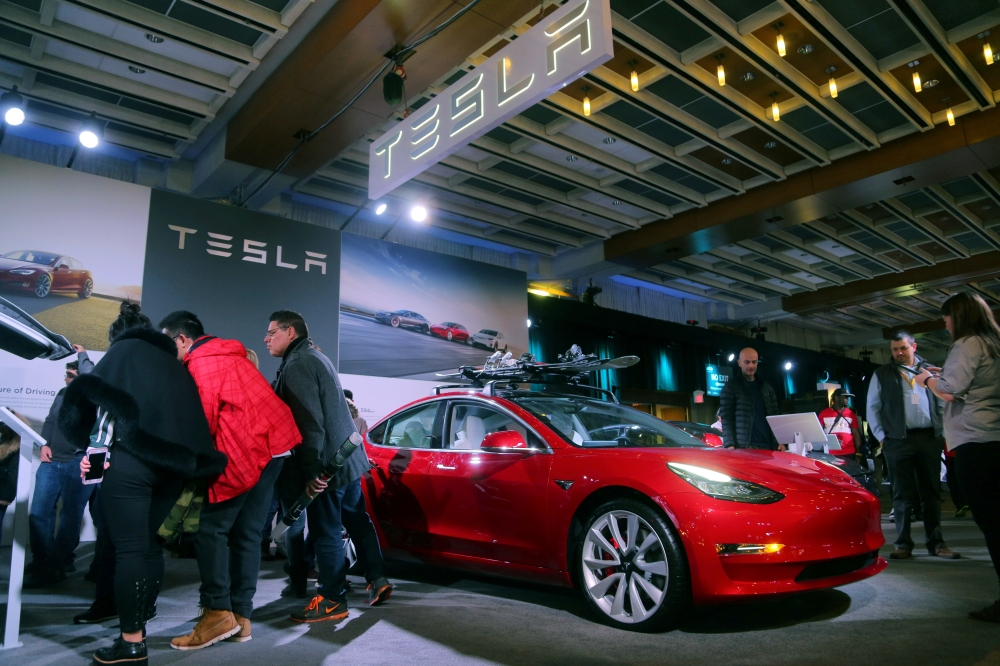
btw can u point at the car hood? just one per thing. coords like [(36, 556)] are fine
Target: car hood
[(783, 472), (7, 264), (22, 336)]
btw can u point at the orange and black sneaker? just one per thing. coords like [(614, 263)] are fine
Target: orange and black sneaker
[(321, 609), (379, 591)]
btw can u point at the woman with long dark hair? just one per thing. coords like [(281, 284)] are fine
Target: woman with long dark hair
[(159, 440), (970, 386)]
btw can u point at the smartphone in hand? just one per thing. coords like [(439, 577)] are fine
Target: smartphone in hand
[(96, 456)]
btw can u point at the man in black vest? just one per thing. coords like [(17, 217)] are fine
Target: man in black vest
[(906, 420), (745, 402)]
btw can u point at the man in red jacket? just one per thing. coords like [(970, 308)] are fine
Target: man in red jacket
[(256, 430)]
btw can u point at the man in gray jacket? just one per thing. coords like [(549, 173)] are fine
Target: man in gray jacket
[(308, 383)]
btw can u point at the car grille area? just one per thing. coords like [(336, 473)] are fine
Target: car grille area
[(837, 567)]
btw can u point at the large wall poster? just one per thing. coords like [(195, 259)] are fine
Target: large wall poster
[(233, 268), (71, 249), (411, 313)]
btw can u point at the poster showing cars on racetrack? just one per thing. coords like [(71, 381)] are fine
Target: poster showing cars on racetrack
[(411, 313)]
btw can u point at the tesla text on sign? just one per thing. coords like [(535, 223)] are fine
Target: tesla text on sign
[(559, 49)]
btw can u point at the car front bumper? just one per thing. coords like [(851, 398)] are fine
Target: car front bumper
[(828, 538)]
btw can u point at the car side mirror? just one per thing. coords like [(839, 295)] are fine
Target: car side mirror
[(505, 441)]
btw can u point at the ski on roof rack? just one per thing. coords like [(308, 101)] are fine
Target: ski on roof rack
[(572, 367)]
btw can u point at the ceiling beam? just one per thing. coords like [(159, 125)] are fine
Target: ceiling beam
[(918, 327), (680, 286), (953, 273), (732, 288)]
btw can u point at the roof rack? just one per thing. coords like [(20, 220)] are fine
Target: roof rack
[(572, 369)]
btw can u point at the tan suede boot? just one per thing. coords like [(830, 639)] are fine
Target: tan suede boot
[(243, 635), (212, 627)]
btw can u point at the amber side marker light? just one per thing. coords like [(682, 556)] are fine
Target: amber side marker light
[(748, 548)]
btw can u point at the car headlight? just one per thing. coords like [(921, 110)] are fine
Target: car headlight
[(23, 271), (722, 486)]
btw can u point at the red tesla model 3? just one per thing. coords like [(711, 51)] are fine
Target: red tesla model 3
[(452, 331), (636, 514)]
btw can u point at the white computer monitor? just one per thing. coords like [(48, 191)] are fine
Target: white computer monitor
[(797, 430)]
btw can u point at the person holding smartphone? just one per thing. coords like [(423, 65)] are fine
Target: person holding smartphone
[(148, 413)]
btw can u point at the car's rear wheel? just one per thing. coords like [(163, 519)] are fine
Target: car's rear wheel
[(43, 285), (425, 329), (449, 336), (394, 322), (469, 341), (87, 290), (631, 567)]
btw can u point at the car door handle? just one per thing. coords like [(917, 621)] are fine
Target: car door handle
[(440, 466)]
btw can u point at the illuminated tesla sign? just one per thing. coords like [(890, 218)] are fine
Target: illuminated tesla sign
[(560, 48)]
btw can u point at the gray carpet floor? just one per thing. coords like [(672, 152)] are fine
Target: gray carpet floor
[(914, 612)]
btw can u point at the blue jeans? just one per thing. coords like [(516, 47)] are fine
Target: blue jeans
[(51, 550), (331, 512)]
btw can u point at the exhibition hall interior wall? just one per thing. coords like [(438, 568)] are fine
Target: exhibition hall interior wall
[(234, 267)]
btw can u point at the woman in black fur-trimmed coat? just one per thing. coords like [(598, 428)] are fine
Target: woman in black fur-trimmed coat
[(161, 440)]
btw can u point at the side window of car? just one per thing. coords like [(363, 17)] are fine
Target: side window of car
[(376, 434), (469, 424), (417, 428)]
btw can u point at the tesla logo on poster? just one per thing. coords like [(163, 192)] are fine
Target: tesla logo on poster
[(221, 245), (560, 48)]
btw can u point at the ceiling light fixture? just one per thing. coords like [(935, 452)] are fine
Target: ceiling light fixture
[(771, 145), (91, 132), (586, 101), (833, 82), (720, 70), (951, 117), (747, 77), (930, 83), (136, 70), (609, 140), (418, 213), (156, 39), (726, 161), (379, 209), (987, 49), (781, 38), (775, 111), (805, 49), (916, 75), (12, 107), (788, 365), (572, 158), (616, 203), (634, 78)]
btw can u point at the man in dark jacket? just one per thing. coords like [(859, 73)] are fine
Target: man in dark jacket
[(58, 477), (308, 383), (745, 403)]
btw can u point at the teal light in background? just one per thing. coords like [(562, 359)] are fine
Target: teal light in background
[(535, 344), (605, 378), (789, 384), (665, 379)]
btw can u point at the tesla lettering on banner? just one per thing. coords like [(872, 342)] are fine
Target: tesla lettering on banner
[(562, 47)]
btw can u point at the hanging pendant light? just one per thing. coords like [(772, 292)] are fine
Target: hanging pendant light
[(586, 101), (720, 70), (781, 38), (987, 49), (917, 85), (775, 112), (833, 82), (951, 117), (634, 79)]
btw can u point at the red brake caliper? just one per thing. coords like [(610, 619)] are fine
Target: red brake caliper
[(607, 556)]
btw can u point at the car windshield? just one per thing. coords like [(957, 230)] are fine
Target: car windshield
[(590, 422), (44, 258), (487, 331)]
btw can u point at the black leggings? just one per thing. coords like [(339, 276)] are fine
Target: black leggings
[(136, 497), (978, 466)]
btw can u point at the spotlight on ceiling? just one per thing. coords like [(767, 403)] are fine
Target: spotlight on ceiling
[(91, 132), (12, 107), (788, 365), (379, 209), (529, 323), (418, 213), (731, 357)]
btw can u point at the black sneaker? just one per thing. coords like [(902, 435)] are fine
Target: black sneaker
[(97, 613), (988, 614), (122, 652), (321, 609), (379, 591)]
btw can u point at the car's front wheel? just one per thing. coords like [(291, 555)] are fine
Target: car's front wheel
[(631, 567), (87, 290), (394, 322), (449, 336), (425, 329), (43, 285)]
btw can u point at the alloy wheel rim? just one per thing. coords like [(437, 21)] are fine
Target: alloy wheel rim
[(625, 568), (88, 288), (42, 286), (450, 335)]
